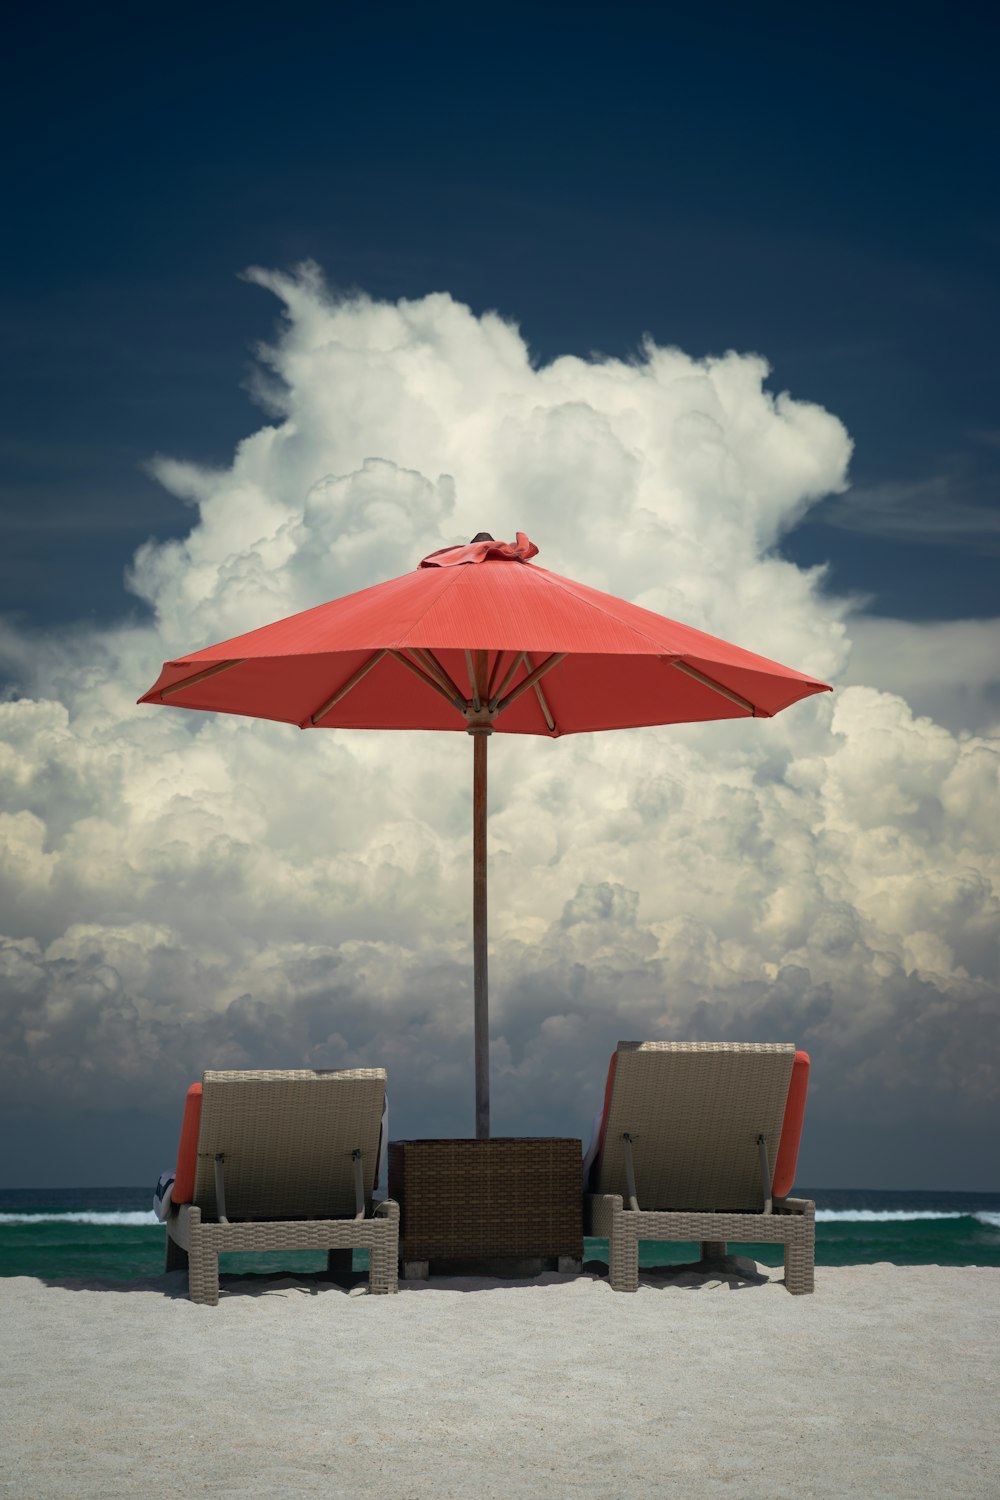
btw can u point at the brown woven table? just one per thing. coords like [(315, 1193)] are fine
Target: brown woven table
[(508, 1206)]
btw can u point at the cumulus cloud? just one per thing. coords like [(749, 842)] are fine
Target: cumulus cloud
[(182, 890), (948, 670)]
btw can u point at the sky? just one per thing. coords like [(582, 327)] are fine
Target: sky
[(708, 307)]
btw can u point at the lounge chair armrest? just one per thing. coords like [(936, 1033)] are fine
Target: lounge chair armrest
[(794, 1206), (386, 1208), (598, 1211), (182, 1218)]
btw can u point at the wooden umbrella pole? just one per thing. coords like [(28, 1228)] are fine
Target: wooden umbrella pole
[(480, 739)]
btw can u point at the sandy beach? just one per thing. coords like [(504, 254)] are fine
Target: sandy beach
[(883, 1383)]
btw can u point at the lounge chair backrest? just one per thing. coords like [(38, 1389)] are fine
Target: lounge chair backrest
[(694, 1111), (287, 1140)]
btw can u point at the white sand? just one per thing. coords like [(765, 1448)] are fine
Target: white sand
[(883, 1383)]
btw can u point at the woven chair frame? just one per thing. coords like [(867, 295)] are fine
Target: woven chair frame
[(792, 1224), (694, 1112), (287, 1140)]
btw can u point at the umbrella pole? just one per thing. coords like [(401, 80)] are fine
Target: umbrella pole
[(480, 976)]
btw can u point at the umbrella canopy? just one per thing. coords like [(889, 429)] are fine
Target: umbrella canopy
[(477, 638), (400, 655)]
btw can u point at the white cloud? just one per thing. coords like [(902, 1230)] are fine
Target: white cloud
[(947, 669), (182, 890)]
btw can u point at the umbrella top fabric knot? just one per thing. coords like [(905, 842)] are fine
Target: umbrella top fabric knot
[(482, 548)]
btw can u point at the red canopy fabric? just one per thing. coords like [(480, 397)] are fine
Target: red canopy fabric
[(555, 657)]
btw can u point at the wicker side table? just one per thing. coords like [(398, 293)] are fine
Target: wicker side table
[(497, 1207)]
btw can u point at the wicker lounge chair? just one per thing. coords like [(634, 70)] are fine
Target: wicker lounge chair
[(280, 1161), (689, 1150)]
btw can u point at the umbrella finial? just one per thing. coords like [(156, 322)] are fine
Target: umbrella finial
[(482, 536)]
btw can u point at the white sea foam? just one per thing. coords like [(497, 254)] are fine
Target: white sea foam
[(137, 1219), (897, 1215)]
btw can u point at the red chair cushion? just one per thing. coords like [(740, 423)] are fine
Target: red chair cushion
[(187, 1151), (607, 1105), (783, 1177)]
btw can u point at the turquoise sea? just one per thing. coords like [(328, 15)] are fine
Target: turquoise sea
[(112, 1234)]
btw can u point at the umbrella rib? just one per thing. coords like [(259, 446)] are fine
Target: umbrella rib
[(543, 705), (456, 702), (530, 680), (473, 684), (221, 666), (546, 711), (717, 687), (342, 692), (495, 697), (435, 669), (496, 673)]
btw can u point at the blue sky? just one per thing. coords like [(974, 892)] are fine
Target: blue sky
[(191, 448)]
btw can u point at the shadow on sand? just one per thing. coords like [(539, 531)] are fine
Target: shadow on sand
[(733, 1273)]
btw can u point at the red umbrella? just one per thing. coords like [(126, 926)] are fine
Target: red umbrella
[(478, 639)]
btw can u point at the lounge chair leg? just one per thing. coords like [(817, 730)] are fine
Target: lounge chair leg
[(713, 1249), (203, 1276), (383, 1273), (623, 1255), (176, 1258), (799, 1268)]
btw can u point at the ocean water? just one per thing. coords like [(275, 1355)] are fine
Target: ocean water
[(112, 1234)]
